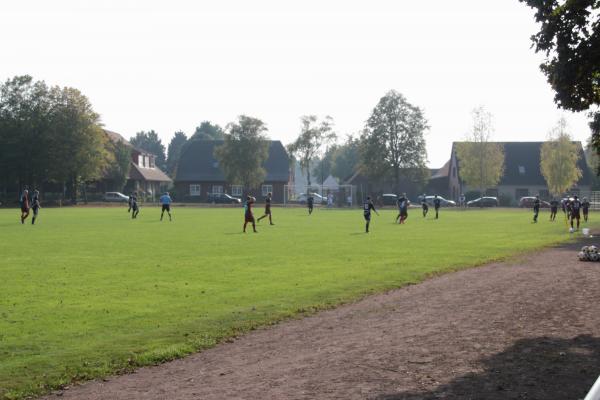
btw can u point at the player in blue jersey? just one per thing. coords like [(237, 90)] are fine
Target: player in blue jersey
[(165, 202)]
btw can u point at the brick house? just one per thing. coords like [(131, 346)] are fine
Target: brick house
[(198, 173)]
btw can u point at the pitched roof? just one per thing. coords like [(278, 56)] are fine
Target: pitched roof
[(116, 138), (522, 164), (443, 172), (198, 163), (149, 174)]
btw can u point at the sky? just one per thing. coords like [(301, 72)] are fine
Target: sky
[(169, 65)]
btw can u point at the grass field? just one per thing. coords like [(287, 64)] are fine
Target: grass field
[(88, 291)]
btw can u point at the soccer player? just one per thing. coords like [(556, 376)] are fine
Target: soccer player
[(424, 205), (436, 204), (402, 208), (553, 209), (135, 209), (575, 207), (165, 201), (267, 209), (536, 208), (24, 200), (130, 202), (35, 205), (248, 216), (310, 201), (463, 200), (585, 206), (367, 207)]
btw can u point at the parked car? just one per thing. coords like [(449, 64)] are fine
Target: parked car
[(527, 202), (302, 198), (222, 198), (390, 199), (115, 197), (484, 202), (443, 202)]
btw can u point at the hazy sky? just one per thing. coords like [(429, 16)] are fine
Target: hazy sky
[(168, 65)]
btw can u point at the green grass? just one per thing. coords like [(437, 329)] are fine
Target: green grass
[(87, 292)]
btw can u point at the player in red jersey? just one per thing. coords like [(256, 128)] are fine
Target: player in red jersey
[(248, 216)]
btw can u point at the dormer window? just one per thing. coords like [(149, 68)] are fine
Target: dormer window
[(521, 170), (151, 162)]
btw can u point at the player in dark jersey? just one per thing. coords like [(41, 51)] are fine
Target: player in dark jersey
[(553, 209), (402, 208), (129, 202), (310, 202), (585, 206), (575, 211), (248, 216), (536, 208), (267, 209), (436, 205), (35, 205), (424, 205), (367, 207), (135, 208), (25, 205)]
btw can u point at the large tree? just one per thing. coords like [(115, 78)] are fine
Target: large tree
[(481, 161), (322, 168), (558, 160), (569, 36), (243, 153), (345, 159), (393, 139), (150, 142), (314, 135), (208, 131), (119, 164), (176, 144)]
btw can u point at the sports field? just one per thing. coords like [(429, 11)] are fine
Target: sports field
[(88, 291)]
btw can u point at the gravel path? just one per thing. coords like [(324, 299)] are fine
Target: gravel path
[(528, 328)]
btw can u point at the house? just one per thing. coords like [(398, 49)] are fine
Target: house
[(144, 176), (198, 172), (522, 175)]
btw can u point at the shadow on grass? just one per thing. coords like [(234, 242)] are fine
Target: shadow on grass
[(535, 368)]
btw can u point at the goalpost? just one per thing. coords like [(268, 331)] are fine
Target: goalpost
[(337, 196)]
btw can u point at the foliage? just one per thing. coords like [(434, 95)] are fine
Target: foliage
[(393, 139), (139, 307), (150, 142), (309, 144), (48, 134), (558, 160), (481, 162), (176, 144), (322, 169), (345, 159), (244, 151), (119, 165), (208, 131), (569, 36)]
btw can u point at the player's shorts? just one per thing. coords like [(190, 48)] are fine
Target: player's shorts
[(403, 213), (553, 209), (585, 211), (367, 216), (575, 214), (249, 218), (134, 207), (35, 210), (24, 209), (267, 210), (425, 207), (166, 207)]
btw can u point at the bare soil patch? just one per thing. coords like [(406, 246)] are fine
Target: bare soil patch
[(528, 328)]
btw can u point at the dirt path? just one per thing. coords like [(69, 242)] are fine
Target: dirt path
[(524, 329)]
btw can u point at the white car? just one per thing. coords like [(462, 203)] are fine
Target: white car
[(115, 197), (302, 198)]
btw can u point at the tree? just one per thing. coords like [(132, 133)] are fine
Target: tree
[(176, 144), (345, 159), (313, 136), (119, 164), (150, 142), (393, 139), (558, 160), (569, 36), (208, 131), (322, 169), (481, 161), (244, 151)]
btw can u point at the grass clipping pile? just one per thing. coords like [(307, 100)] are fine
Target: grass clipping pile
[(589, 253)]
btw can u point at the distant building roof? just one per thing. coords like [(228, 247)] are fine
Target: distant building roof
[(443, 172), (522, 164), (149, 174), (198, 163)]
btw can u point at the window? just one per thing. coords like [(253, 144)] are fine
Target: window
[(266, 189), (521, 170), (217, 189), (236, 190), (151, 163), (195, 190), (521, 193)]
